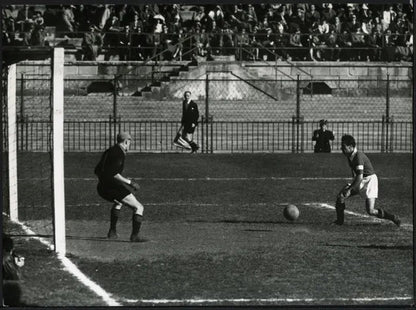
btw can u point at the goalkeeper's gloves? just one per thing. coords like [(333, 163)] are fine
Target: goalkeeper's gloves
[(134, 184)]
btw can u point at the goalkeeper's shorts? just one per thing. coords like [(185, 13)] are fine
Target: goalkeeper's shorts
[(369, 187), (113, 192)]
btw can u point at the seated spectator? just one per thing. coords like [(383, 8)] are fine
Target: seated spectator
[(38, 37), (281, 43), (358, 43), (267, 43), (296, 50), (91, 44), (333, 48), (405, 53), (243, 44), (26, 35), (374, 42), (389, 46), (344, 41), (255, 44)]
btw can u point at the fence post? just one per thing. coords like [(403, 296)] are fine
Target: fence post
[(115, 112), (207, 109), (301, 124), (293, 133), (211, 118), (391, 140), (22, 109), (202, 133), (383, 134), (388, 113), (110, 131)]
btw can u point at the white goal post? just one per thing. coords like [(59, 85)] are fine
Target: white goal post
[(57, 66), (58, 150)]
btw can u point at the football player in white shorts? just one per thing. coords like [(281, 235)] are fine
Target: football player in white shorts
[(364, 183)]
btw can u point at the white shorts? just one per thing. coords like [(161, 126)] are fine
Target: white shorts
[(369, 187)]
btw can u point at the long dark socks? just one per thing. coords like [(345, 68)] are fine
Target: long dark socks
[(115, 213), (137, 223)]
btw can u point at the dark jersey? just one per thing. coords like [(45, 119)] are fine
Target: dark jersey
[(360, 163), (111, 163), (322, 139), (190, 113)]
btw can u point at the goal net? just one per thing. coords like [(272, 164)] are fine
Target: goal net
[(32, 143)]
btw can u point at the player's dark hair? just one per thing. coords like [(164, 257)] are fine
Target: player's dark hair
[(348, 140), (186, 92)]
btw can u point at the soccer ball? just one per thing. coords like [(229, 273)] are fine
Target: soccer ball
[(291, 213)]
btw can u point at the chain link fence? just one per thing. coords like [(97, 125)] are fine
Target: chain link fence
[(238, 113)]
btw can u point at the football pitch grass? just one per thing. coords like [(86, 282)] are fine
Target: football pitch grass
[(215, 234)]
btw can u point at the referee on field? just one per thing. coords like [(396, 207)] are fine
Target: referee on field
[(114, 187)]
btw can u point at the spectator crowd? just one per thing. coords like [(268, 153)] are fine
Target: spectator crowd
[(312, 32)]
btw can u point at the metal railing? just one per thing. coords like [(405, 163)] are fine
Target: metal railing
[(218, 136)]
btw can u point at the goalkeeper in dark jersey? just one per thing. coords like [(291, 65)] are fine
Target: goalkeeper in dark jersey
[(114, 187), (364, 183)]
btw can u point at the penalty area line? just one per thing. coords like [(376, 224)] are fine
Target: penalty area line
[(375, 219), (71, 267)]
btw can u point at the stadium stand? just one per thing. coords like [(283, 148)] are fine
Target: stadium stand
[(304, 32)]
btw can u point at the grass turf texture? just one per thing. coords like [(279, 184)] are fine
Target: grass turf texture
[(215, 229)]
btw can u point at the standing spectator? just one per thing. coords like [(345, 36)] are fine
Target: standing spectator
[(125, 44), (146, 17), (139, 44), (364, 183), (338, 27), (312, 16), (114, 187), (105, 16), (329, 13), (112, 36), (322, 136), (189, 121), (67, 21), (82, 19), (251, 17), (91, 44)]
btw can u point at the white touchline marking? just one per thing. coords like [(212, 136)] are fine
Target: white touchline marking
[(219, 179), (375, 219), (262, 300), (72, 268)]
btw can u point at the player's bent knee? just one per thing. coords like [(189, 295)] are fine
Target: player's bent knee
[(139, 209)]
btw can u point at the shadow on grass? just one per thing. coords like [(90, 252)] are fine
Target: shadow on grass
[(374, 246), (105, 239)]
